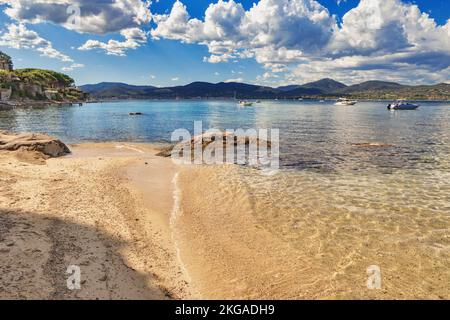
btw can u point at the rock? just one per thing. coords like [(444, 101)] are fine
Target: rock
[(135, 114), (165, 152), (42, 143), (228, 140)]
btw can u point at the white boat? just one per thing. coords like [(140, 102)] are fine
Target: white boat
[(345, 102), (402, 105), (245, 103)]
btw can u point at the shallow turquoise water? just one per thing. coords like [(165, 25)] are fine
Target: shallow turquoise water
[(314, 135)]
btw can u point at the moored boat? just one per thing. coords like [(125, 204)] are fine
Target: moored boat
[(402, 105), (345, 102), (245, 103)]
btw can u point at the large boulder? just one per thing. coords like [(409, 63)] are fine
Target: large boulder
[(226, 141), (37, 142), (205, 139)]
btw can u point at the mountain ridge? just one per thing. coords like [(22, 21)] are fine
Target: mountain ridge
[(373, 89)]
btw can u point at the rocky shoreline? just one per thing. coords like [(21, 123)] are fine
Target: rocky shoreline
[(11, 105)]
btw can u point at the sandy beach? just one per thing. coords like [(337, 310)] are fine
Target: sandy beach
[(140, 227), (82, 210)]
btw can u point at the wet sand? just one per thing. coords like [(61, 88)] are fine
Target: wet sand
[(297, 235)]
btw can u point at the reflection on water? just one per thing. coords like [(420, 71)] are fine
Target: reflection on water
[(348, 206)]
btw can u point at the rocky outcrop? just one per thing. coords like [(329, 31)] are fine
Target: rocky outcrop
[(37, 142), (225, 139)]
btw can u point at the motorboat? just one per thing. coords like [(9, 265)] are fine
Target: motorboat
[(402, 105), (345, 102)]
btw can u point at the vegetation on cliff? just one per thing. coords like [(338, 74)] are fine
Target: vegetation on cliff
[(35, 84), (40, 84), (46, 78)]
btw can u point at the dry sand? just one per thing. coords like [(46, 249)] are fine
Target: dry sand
[(83, 210)]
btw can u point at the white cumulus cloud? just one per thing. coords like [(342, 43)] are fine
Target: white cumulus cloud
[(235, 80), (96, 16), (134, 38), (383, 39), (17, 36), (269, 31), (72, 67)]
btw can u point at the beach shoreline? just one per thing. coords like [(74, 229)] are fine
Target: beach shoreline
[(12, 105), (141, 227)]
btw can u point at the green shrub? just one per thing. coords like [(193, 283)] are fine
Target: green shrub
[(44, 77)]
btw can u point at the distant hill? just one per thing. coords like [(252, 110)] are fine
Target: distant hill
[(371, 86), (325, 88), (303, 91), (90, 88), (222, 89), (192, 90), (289, 88), (117, 90), (325, 85), (392, 90)]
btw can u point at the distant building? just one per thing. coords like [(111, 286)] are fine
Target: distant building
[(51, 94), (5, 62)]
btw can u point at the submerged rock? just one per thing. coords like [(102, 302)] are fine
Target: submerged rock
[(372, 145), (36, 142)]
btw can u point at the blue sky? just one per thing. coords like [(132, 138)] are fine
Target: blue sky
[(270, 42)]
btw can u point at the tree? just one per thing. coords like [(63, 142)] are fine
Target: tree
[(5, 60)]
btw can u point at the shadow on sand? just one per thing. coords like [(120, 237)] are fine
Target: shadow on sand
[(36, 251)]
